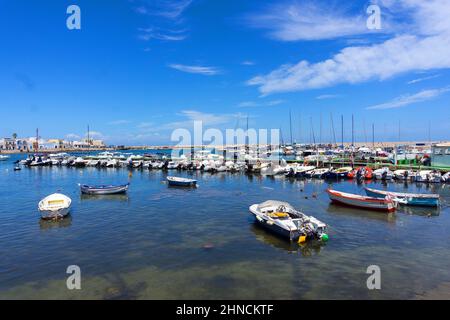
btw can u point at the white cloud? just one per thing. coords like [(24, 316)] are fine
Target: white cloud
[(247, 63), (327, 96), (147, 34), (427, 49), (208, 71), (423, 79), (72, 136), (405, 100), (95, 135), (246, 104), (119, 122), (170, 9), (306, 20)]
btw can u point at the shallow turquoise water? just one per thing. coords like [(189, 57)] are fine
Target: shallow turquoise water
[(161, 242)]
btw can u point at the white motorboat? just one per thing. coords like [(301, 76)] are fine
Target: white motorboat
[(383, 174), (280, 217), (54, 206), (3, 157)]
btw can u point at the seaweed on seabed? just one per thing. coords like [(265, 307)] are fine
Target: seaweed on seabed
[(120, 290)]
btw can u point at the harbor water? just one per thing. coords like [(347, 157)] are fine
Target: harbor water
[(160, 242)]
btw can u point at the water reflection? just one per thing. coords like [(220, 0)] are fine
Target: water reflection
[(268, 238), (104, 197), (54, 224), (340, 210)]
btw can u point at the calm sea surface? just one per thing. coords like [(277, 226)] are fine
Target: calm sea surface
[(169, 243)]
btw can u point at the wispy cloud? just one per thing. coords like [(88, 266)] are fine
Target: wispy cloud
[(247, 63), (119, 122), (307, 20), (422, 79), (246, 104), (207, 71), (424, 46), (147, 34), (406, 100), (327, 96), (72, 136), (95, 135), (170, 9)]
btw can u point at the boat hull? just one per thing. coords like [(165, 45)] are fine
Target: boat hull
[(54, 214), (409, 199), (99, 190), (367, 203), (182, 183)]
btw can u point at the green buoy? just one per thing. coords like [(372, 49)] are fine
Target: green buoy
[(324, 237)]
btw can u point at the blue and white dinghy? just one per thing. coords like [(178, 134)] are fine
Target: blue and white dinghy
[(181, 182), (410, 199), (104, 189)]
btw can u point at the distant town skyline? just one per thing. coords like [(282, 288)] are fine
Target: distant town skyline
[(137, 70)]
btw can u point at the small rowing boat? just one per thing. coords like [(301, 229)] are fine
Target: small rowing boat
[(104, 189), (54, 206), (411, 199), (181, 182), (355, 200)]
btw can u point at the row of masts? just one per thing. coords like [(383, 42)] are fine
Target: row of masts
[(333, 132)]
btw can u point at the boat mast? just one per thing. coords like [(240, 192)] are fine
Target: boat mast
[(88, 137), (342, 130), (332, 128), (300, 127), (246, 139), (353, 138), (37, 139), (312, 132), (290, 125), (320, 129), (373, 135)]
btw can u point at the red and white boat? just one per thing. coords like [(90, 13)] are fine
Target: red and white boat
[(355, 200)]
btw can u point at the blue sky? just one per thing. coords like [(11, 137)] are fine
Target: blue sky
[(139, 69)]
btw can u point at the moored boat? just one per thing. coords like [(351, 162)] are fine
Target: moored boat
[(412, 199), (181, 182), (281, 218), (355, 200), (104, 189), (54, 206), (340, 173)]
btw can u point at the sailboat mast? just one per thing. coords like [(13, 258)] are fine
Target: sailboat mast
[(332, 128), (290, 125), (320, 129), (373, 135), (342, 130), (353, 138), (312, 132)]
